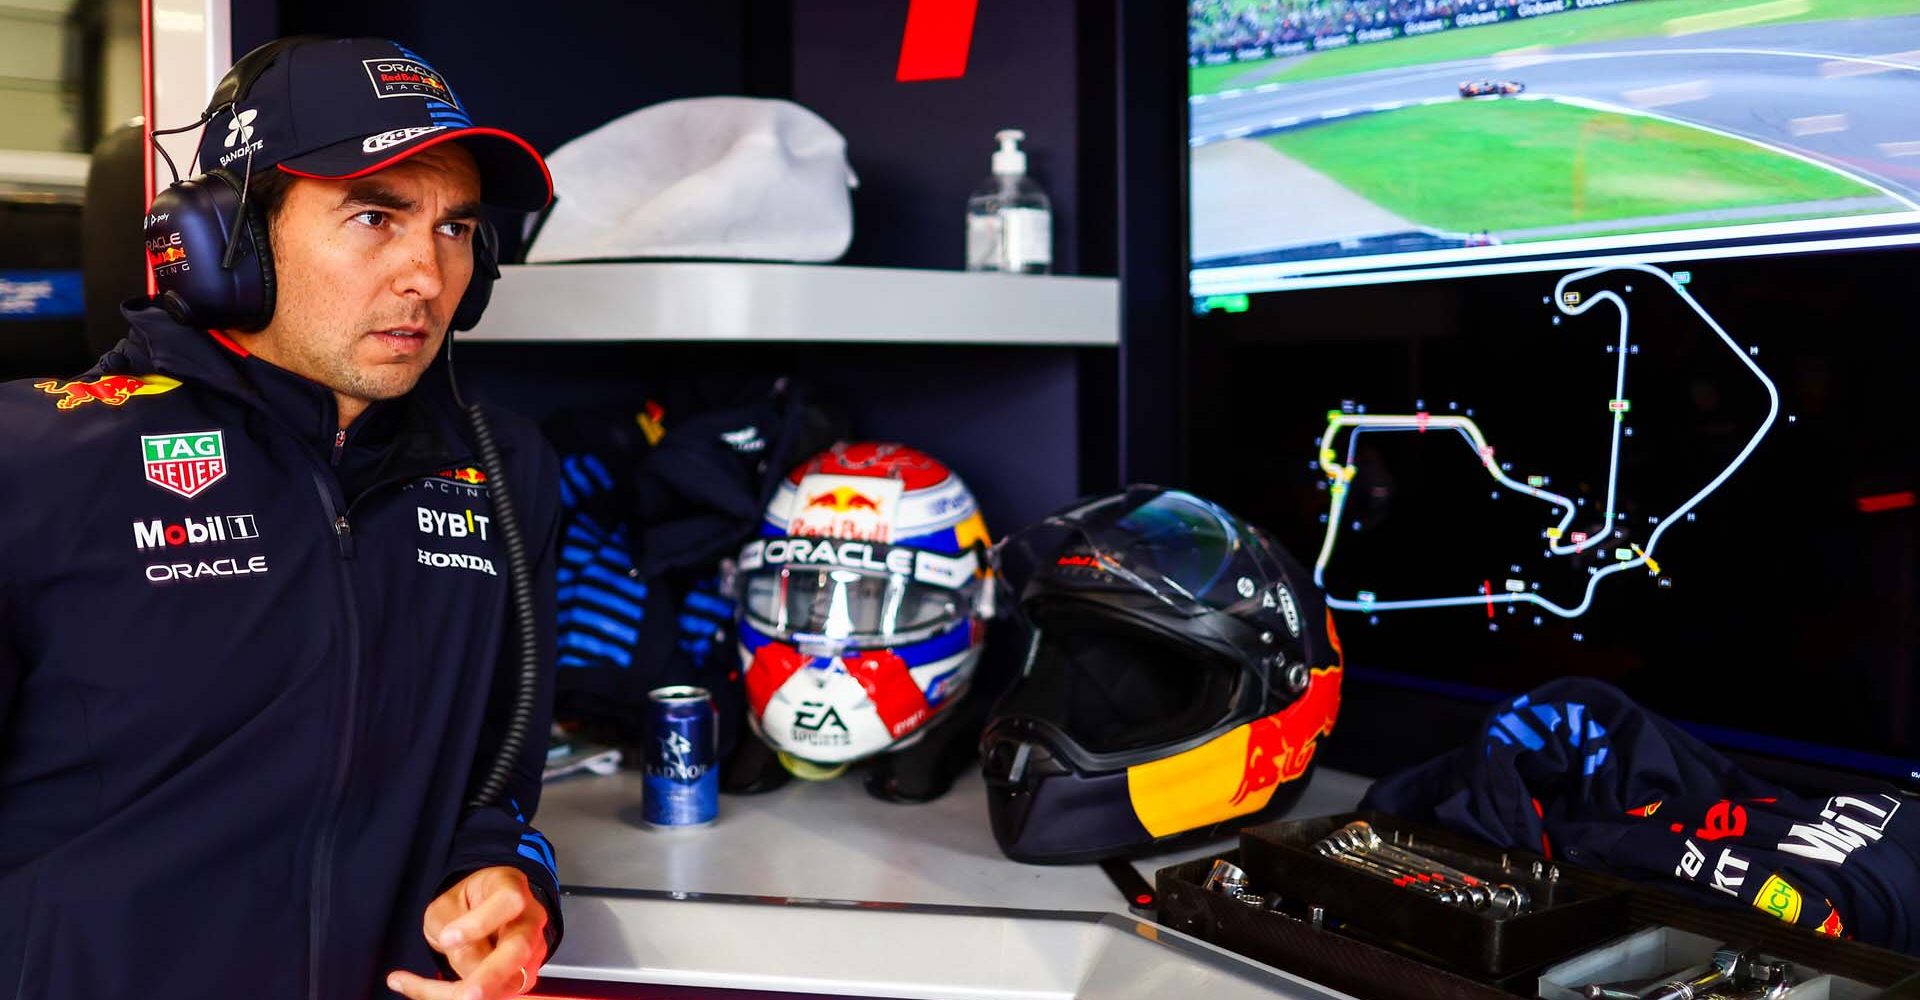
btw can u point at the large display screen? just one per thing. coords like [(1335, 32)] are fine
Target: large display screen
[(1696, 483), (1341, 142)]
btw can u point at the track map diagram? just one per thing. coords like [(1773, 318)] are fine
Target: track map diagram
[(1586, 533)]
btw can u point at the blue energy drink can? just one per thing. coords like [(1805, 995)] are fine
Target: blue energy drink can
[(683, 745)]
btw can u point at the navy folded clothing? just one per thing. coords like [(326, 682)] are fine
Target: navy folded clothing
[(1579, 772)]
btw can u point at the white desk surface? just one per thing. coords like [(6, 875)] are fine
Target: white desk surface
[(821, 889), (831, 840)]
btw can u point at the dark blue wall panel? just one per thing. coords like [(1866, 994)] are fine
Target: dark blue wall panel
[(1005, 418), (1008, 418), (921, 148)]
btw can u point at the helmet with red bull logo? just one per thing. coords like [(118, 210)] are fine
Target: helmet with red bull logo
[(1181, 675), (863, 605)]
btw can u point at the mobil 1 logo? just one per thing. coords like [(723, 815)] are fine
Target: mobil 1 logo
[(159, 534)]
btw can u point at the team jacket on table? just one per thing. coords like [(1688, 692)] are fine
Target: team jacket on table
[(1575, 770), (246, 668)]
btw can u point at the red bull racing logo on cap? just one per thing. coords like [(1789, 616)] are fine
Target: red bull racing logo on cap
[(111, 390), (405, 78)]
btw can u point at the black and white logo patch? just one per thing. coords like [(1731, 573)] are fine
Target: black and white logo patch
[(388, 140), (1282, 598), (456, 560), (240, 136), (240, 127)]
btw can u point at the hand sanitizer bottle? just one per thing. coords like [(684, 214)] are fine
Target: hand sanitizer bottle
[(1009, 220)]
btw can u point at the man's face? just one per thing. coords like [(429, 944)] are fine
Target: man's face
[(369, 272)]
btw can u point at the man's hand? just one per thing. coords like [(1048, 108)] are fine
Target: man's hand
[(492, 929)]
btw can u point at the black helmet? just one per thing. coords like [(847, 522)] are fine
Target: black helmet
[(1180, 674)]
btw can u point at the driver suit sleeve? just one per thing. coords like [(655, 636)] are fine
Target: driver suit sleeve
[(502, 834)]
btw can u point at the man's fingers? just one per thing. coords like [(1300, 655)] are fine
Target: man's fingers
[(467, 958), (440, 913), (416, 988), (499, 974), (483, 920)]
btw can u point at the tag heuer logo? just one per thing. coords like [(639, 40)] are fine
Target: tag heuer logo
[(184, 463)]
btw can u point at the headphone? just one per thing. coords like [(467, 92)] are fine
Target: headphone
[(194, 221)]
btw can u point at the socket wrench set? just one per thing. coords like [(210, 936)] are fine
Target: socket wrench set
[(1435, 893), (1379, 907)]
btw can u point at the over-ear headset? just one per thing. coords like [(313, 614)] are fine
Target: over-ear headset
[(209, 250)]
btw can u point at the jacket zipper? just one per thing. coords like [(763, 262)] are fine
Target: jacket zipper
[(322, 876), (339, 443), (323, 850)]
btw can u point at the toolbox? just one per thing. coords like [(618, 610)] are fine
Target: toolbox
[(1358, 931)]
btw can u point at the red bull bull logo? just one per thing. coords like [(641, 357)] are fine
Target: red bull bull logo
[(842, 500), (166, 252), (855, 508), (1280, 746), (1238, 772), (112, 390), (465, 474)]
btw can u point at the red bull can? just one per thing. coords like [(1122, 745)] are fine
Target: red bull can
[(682, 783)]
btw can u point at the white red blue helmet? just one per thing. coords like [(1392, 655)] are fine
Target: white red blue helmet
[(864, 603)]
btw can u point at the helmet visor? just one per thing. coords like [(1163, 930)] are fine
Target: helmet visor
[(1172, 545), (1113, 690), (844, 604)]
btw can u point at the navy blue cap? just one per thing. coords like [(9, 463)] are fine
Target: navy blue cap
[(338, 108)]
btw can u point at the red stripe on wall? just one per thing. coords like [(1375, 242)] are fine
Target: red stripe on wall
[(1884, 502), (146, 117), (939, 35)]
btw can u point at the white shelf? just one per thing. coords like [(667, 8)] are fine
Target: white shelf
[(579, 303)]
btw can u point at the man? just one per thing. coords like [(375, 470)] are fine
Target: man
[(254, 639)]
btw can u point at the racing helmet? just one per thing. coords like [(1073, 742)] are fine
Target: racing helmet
[(863, 605), (1180, 674)]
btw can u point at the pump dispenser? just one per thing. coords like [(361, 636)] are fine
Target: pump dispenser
[(1009, 219)]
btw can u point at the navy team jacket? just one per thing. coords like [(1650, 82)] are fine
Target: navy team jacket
[(247, 665)]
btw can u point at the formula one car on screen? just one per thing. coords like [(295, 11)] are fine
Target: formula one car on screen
[(1491, 88)]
